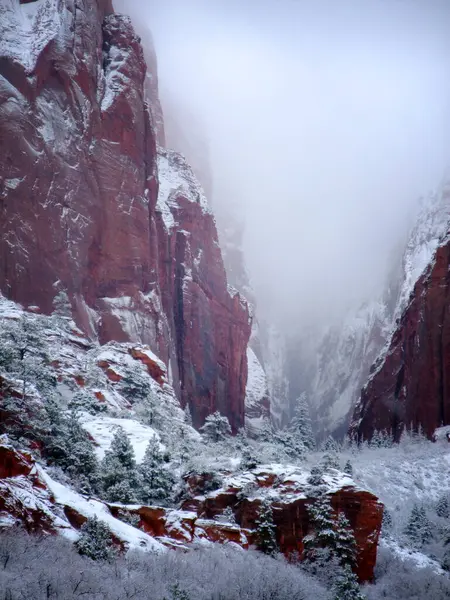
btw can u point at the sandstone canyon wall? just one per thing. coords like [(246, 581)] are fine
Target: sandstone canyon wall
[(409, 383), (92, 207)]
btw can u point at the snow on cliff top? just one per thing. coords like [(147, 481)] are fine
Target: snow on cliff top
[(432, 224), (26, 29), (176, 178), (429, 231)]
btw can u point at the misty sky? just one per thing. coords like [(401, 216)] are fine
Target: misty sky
[(326, 120)]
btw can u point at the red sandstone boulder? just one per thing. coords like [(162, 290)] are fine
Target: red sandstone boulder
[(287, 490), (24, 497), (155, 366), (13, 463)]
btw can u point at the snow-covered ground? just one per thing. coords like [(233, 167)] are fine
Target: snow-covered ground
[(406, 473), (102, 429), (133, 537)]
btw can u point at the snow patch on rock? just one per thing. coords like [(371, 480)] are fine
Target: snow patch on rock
[(176, 179)]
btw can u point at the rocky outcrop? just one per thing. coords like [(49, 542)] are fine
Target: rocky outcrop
[(227, 515), (85, 201), (289, 494), (24, 497), (409, 383)]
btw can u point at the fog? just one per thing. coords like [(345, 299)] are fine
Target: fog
[(325, 121)]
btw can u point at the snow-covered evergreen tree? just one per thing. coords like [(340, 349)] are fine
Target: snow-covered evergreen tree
[(266, 432), (318, 545), (266, 530), (345, 543), (301, 425), (82, 400), (418, 528), (346, 586), (156, 480), (386, 523), (150, 411), (291, 445), (188, 415), (178, 593), (183, 446), (315, 478), (81, 460), (24, 354), (216, 427), (348, 469), (381, 439), (249, 459), (330, 537), (118, 469), (134, 385), (330, 458), (227, 516), (442, 507), (95, 540)]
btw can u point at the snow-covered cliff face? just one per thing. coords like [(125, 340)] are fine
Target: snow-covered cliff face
[(334, 371), (91, 208), (408, 382)]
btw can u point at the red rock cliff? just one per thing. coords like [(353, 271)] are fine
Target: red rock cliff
[(410, 382), (86, 209)]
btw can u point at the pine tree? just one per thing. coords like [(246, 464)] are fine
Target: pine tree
[(248, 459), (95, 540), (61, 305), (445, 563), (316, 479), (291, 445), (241, 438), (345, 544), (134, 385), (330, 458), (386, 523), (347, 587), (83, 401), (301, 426), (266, 433), (62, 313), (188, 415), (177, 593), (216, 427), (266, 530), (442, 507), (330, 539), (418, 528), (184, 447), (348, 469), (81, 461), (24, 354), (119, 469), (227, 516), (320, 543), (156, 481), (150, 411)]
